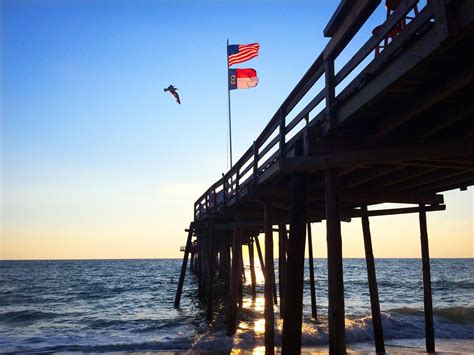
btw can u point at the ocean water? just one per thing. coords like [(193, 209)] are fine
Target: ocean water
[(127, 305)]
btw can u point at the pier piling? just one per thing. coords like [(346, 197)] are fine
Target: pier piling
[(374, 293), (292, 321), (269, 284), (282, 265), (183, 267), (235, 278), (428, 303), (314, 312), (252, 269), (210, 272), (226, 256), (337, 338)]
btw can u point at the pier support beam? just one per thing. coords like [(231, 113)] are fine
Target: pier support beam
[(210, 270), (314, 312), (242, 265), (269, 284), (275, 296), (425, 256), (262, 266), (242, 277), (282, 265), (226, 257), (374, 293), (220, 260), (183, 266), (235, 278), (191, 262), (337, 338), (292, 321), (260, 257), (202, 266), (199, 266), (252, 269)]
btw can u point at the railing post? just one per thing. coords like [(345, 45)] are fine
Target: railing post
[(330, 92), (215, 199), (237, 184), (255, 163), (224, 189), (282, 135), (441, 18)]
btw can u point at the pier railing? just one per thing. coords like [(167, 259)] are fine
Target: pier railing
[(276, 140)]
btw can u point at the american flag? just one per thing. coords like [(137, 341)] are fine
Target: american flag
[(238, 53)]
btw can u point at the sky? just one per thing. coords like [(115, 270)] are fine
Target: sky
[(98, 162)]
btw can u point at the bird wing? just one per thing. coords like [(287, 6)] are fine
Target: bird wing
[(175, 94)]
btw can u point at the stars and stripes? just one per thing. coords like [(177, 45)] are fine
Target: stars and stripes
[(239, 53)]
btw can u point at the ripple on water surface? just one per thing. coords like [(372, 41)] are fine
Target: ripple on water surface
[(126, 305)]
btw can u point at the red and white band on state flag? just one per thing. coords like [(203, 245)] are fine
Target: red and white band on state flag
[(242, 79), (238, 53)]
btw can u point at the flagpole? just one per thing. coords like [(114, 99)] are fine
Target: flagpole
[(228, 96)]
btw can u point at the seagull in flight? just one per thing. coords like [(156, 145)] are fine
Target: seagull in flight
[(173, 92)]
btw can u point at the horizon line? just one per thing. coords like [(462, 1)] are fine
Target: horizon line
[(118, 259)]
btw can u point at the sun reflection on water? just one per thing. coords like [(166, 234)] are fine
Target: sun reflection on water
[(259, 326), (257, 351), (257, 304), (259, 277)]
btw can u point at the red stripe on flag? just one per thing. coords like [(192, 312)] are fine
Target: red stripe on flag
[(247, 50), (251, 45), (242, 58), (246, 73)]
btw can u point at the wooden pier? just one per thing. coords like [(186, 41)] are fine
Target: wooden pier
[(398, 127)]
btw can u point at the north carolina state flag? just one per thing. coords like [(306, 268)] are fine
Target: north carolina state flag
[(242, 79)]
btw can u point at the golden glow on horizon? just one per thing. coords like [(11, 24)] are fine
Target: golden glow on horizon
[(58, 226)]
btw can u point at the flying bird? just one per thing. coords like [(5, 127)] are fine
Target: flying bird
[(173, 92)]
